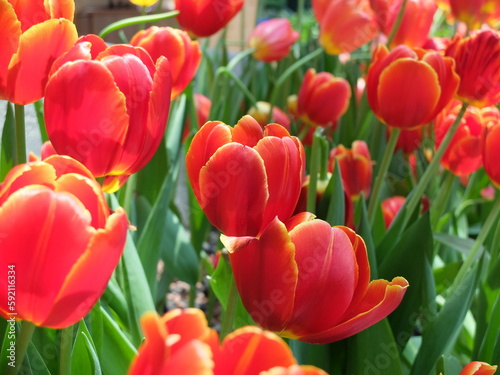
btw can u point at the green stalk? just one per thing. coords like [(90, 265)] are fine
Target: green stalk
[(130, 186), (439, 205), (313, 173), (381, 174), (300, 12), (477, 249), (20, 134), (432, 168), (396, 25), (230, 313), (22, 343), (66, 350)]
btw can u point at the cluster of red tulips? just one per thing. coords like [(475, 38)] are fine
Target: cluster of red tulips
[(391, 243)]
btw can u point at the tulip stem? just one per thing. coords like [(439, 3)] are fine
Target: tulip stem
[(20, 134), (283, 78), (476, 249), (22, 343), (397, 23), (230, 313), (381, 174), (66, 350), (432, 168)]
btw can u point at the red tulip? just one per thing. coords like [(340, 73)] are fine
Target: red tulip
[(56, 228), (183, 54), (202, 18), (322, 98), (284, 275), (108, 107), (390, 209), (294, 370), (272, 39), (355, 168), (415, 25), (478, 368), (477, 61), (491, 145), (476, 12), (407, 88), (34, 33), (260, 112), (345, 25), (243, 177)]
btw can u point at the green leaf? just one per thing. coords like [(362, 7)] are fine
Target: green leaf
[(220, 283), (136, 21), (7, 146), (151, 177), (84, 360), (365, 232), (315, 355), (36, 362), (441, 332), (374, 350), (460, 244), (492, 335), (332, 204), (448, 365)]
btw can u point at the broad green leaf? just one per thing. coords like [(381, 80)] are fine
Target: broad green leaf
[(448, 365), (364, 357), (84, 360), (315, 355), (151, 177), (332, 205), (442, 331), (365, 232), (36, 361), (460, 244), (7, 145), (115, 299), (492, 334), (173, 135)]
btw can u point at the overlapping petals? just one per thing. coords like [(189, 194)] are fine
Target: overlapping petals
[(57, 227), (108, 107), (245, 176), (478, 368), (309, 281)]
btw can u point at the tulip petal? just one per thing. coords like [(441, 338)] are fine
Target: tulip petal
[(478, 368), (64, 164), (62, 9), (49, 252), (247, 131), (412, 84), (39, 46), (241, 348), (233, 190), (195, 357), (382, 298), (270, 262), (96, 139), (10, 31), (82, 287), (328, 276), (30, 12), (294, 370)]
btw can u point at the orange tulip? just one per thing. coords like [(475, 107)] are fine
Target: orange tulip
[(201, 18), (243, 177), (345, 25), (407, 88), (183, 54), (33, 33), (476, 12), (478, 368), (272, 39), (322, 99), (464, 154), (260, 112), (295, 370), (391, 207), (491, 145), (415, 25), (355, 168), (478, 64), (284, 275), (56, 228), (108, 107)]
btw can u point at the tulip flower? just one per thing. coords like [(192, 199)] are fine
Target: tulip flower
[(243, 177), (464, 154), (415, 25), (57, 228), (202, 105), (355, 168), (183, 54), (260, 112), (478, 368), (322, 99), (33, 33), (294, 370), (491, 145), (407, 88), (202, 18), (391, 207), (308, 281), (345, 25), (477, 60), (476, 12), (272, 39), (108, 107)]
